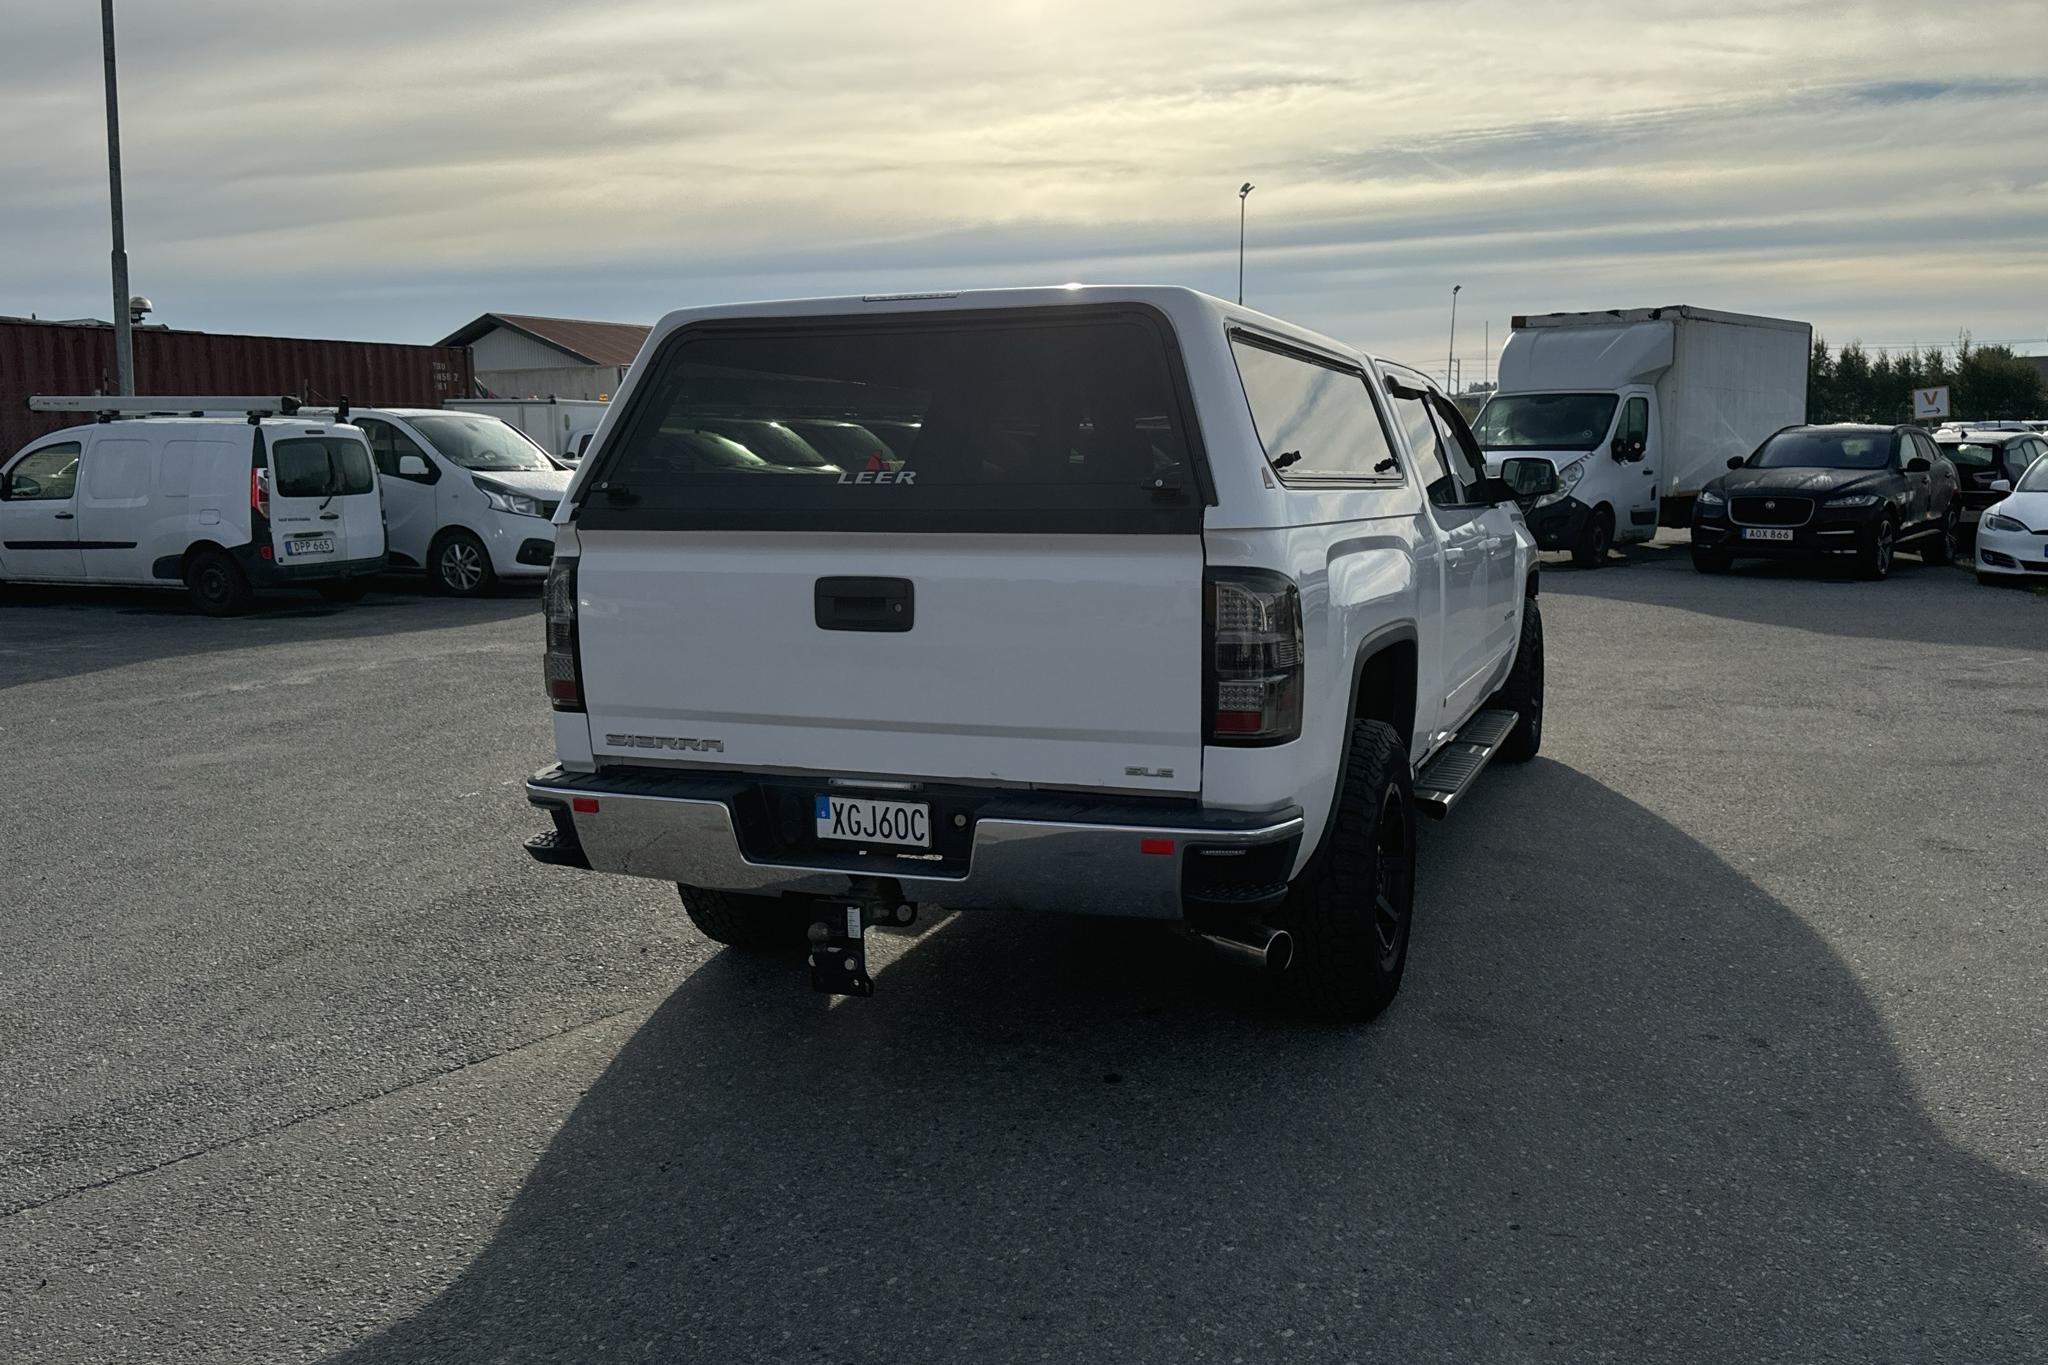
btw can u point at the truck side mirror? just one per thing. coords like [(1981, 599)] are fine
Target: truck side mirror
[(1525, 477), (1625, 449), (412, 467)]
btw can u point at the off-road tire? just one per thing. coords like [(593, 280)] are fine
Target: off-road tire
[(1591, 550), (1945, 544), (458, 565), (1874, 561), (755, 924), (1350, 909), (1522, 693), (1711, 561), (217, 585)]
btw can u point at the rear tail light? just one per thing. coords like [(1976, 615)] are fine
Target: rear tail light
[(558, 606), (1252, 682), (259, 494)]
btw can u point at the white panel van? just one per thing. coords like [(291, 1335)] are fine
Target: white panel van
[(467, 497), (222, 506)]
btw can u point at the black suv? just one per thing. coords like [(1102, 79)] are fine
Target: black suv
[(1844, 492), (1983, 457)]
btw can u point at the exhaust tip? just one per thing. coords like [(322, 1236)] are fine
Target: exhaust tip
[(1264, 949)]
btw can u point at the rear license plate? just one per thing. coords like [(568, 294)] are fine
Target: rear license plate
[(857, 819), (310, 545), (1764, 533)]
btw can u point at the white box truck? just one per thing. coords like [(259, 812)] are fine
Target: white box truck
[(560, 426), (1638, 408)]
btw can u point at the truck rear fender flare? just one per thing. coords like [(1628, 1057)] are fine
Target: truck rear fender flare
[(1383, 677), (1383, 684)]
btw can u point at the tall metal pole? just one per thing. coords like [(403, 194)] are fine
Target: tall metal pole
[(124, 334), (1486, 357), (1243, 193), (1449, 381)]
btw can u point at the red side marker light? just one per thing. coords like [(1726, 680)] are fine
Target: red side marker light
[(1155, 845), (583, 805)]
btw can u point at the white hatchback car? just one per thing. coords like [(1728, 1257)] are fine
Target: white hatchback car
[(2012, 538), (468, 497)]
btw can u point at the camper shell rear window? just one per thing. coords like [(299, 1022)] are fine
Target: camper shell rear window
[(1046, 420)]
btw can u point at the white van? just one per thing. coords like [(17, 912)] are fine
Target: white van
[(222, 505), (468, 498)]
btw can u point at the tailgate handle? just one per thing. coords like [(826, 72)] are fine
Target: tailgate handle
[(864, 604)]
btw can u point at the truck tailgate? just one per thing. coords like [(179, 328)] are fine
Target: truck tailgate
[(1060, 660)]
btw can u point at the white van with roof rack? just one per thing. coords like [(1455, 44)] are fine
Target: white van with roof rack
[(1127, 602), (469, 498), (224, 505)]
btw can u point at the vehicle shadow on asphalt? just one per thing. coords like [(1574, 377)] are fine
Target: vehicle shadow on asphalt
[(49, 633), (1628, 1107), (1923, 603)]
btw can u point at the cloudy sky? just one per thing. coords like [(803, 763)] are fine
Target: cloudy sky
[(390, 168)]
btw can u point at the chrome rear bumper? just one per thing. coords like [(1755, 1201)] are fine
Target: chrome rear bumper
[(1132, 867)]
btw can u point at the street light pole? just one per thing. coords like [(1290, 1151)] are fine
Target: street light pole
[(1450, 382), (124, 334), (1244, 192)]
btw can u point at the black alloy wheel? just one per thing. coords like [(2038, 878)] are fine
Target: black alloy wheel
[(1877, 556)]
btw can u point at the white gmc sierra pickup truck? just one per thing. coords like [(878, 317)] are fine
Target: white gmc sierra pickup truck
[(1114, 601)]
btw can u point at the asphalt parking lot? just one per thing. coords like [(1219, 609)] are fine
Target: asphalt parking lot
[(1721, 1038)]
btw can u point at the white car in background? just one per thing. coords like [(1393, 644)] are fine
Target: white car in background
[(2012, 538), (468, 498)]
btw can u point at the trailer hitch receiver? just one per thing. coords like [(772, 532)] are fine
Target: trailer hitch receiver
[(839, 954)]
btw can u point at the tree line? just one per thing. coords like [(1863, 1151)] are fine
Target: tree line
[(1985, 383)]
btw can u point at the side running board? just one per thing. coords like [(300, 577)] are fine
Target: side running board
[(1450, 774)]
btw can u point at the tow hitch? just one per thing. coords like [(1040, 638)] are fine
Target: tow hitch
[(839, 952)]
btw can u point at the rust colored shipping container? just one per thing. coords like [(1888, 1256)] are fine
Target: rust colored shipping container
[(59, 357)]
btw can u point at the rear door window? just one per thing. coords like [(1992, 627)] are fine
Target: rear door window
[(320, 467), (1315, 417), (951, 422)]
